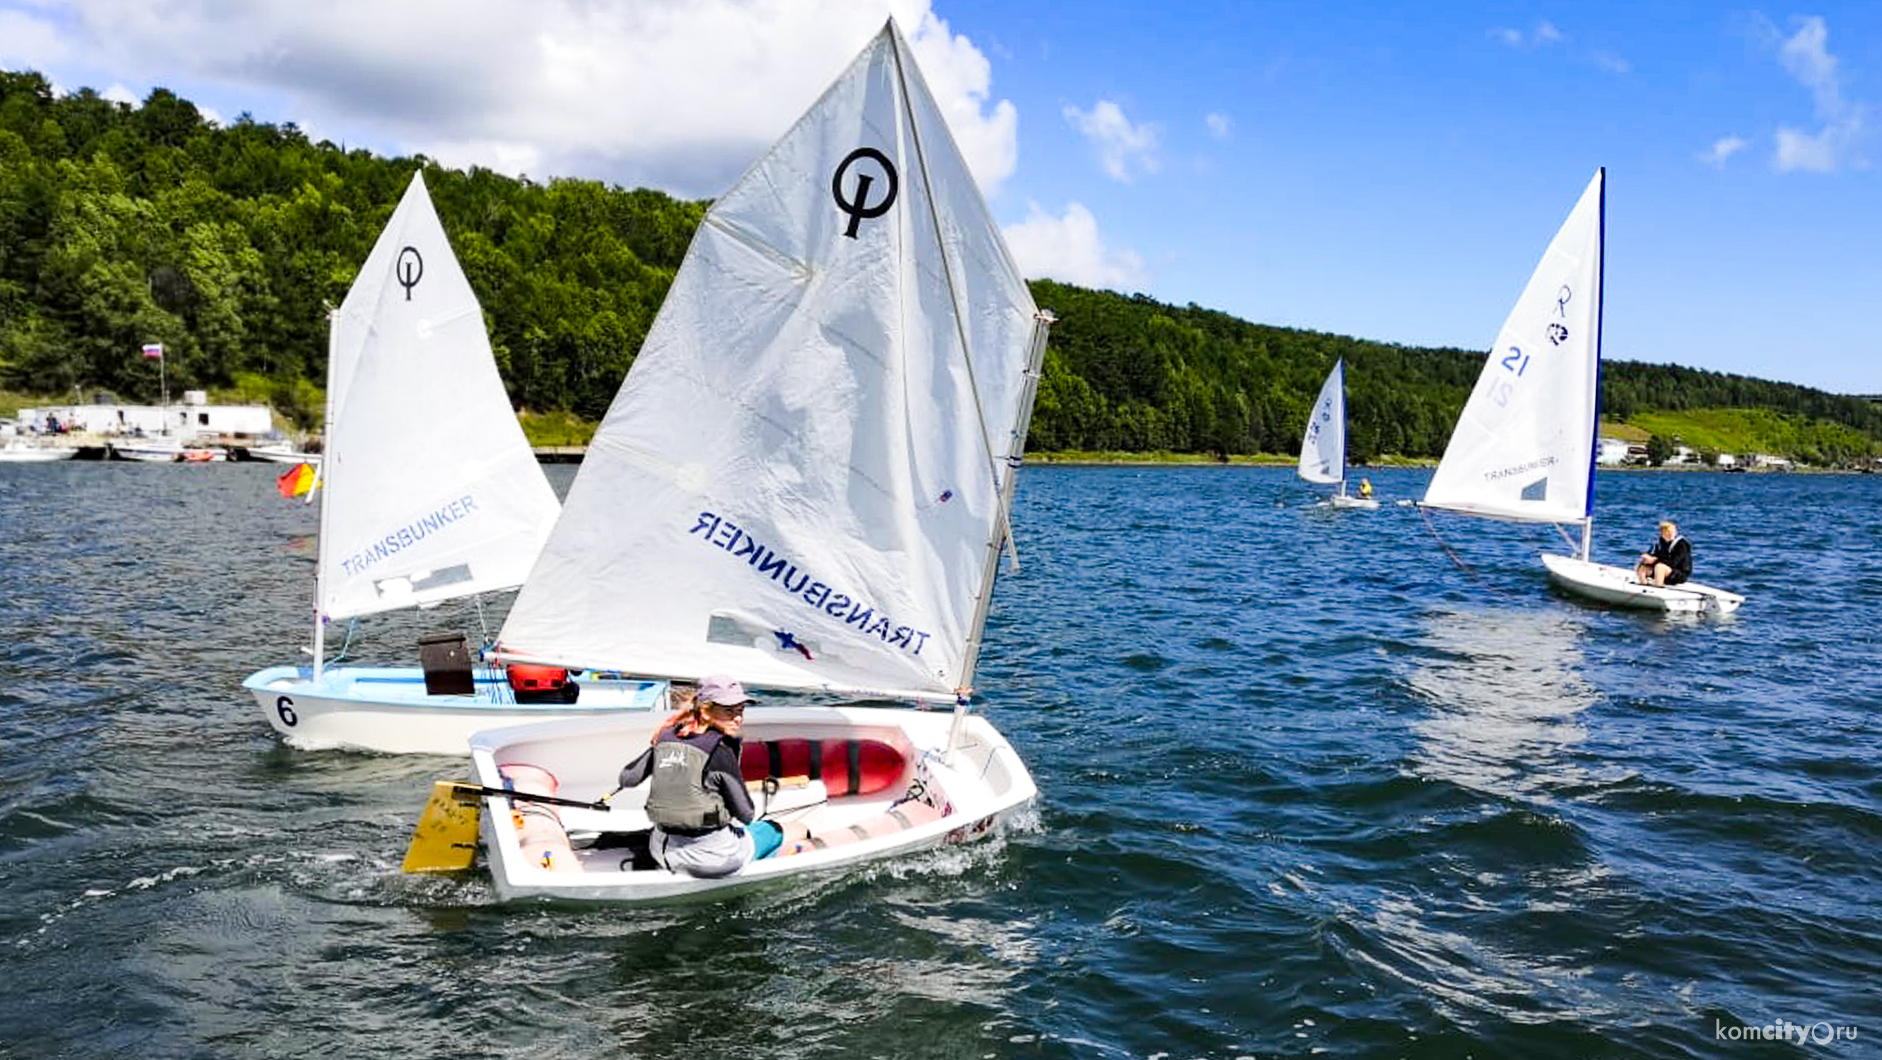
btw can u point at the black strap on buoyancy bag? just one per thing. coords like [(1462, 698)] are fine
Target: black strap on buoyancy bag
[(775, 759), (856, 766), (816, 759)]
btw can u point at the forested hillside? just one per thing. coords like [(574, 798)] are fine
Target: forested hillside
[(124, 225)]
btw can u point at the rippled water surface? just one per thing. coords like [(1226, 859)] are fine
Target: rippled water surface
[(1308, 786)]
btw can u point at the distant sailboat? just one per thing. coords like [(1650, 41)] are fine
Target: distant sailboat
[(1323, 447), (1524, 447)]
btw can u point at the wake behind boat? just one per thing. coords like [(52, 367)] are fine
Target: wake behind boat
[(1524, 447), (804, 484)]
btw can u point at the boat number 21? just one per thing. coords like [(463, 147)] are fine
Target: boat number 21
[(1515, 361), (285, 708)]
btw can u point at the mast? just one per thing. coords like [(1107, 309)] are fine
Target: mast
[(321, 479), (1601, 298)]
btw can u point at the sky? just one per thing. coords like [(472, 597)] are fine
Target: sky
[(1390, 172)]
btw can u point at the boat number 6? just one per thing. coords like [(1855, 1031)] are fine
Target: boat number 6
[(285, 707)]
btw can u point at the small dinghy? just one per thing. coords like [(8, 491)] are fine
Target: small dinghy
[(804, 485), (1523, 449), (1323, 445)]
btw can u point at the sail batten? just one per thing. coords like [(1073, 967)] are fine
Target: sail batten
[(798, 480), (1524, 444)]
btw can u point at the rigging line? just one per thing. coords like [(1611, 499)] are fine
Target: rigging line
[(948, 265), (1425, 513)]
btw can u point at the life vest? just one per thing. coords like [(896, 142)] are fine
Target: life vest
[(541, 684), (677, 797)]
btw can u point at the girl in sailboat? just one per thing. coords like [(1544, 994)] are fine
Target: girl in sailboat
[(701, 810), (1669, 561)]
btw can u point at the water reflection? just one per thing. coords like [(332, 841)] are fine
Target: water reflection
[(1506, 695)]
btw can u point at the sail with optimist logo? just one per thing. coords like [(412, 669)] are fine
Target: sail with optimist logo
[(804, 480)]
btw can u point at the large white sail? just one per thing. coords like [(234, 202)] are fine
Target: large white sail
[(801, 481), (431, 492), (1524, 446), (1323, 449)]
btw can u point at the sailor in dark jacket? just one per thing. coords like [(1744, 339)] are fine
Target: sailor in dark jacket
[(1669, 562)]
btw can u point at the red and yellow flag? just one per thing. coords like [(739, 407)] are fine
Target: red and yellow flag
[(296, 480)]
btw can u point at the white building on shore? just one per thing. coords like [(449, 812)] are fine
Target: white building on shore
[(194, 417)]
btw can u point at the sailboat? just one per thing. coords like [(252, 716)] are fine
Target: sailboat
[(1323, 447), (804, 483), (1524, 447), (429, 492)]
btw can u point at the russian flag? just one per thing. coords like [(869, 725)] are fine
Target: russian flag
[(153, 349)]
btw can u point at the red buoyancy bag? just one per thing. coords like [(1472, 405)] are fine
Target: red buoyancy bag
[(846, 767), (525, 678)]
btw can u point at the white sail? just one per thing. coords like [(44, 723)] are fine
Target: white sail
[(1524, 446), (430, 490), (802, 480), (1323, 449)]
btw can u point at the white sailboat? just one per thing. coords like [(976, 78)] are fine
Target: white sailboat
[(803, 483), (430, 492), (1323, 447), (1524, 447)]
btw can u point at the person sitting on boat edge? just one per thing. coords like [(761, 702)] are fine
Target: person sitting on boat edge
[(1365, 489), (1669, 561), (701, 810)]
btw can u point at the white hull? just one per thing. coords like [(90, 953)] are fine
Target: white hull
[(983, 785), (283, 456), (387, 708), (1340, 500), (1618, 586), (149, 454), (36, 454)]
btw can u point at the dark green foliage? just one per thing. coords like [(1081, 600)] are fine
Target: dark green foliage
[(1659, 449), (124, 225)]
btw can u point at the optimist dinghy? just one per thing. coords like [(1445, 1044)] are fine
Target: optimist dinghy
[(1524, 447), (428, 492), (804, 484)]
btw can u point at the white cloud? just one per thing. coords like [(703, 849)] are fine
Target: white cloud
[(1069, 249), (1806, 57), (1220, 125), (675, 94), (1545, 34), (120, 94), (1125, 149), (28, 43), (1611, 62), (1723, 148)]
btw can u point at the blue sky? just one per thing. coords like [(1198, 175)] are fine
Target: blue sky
[(1388, 174)]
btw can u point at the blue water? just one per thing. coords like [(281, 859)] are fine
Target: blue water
[(1308, 787)]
